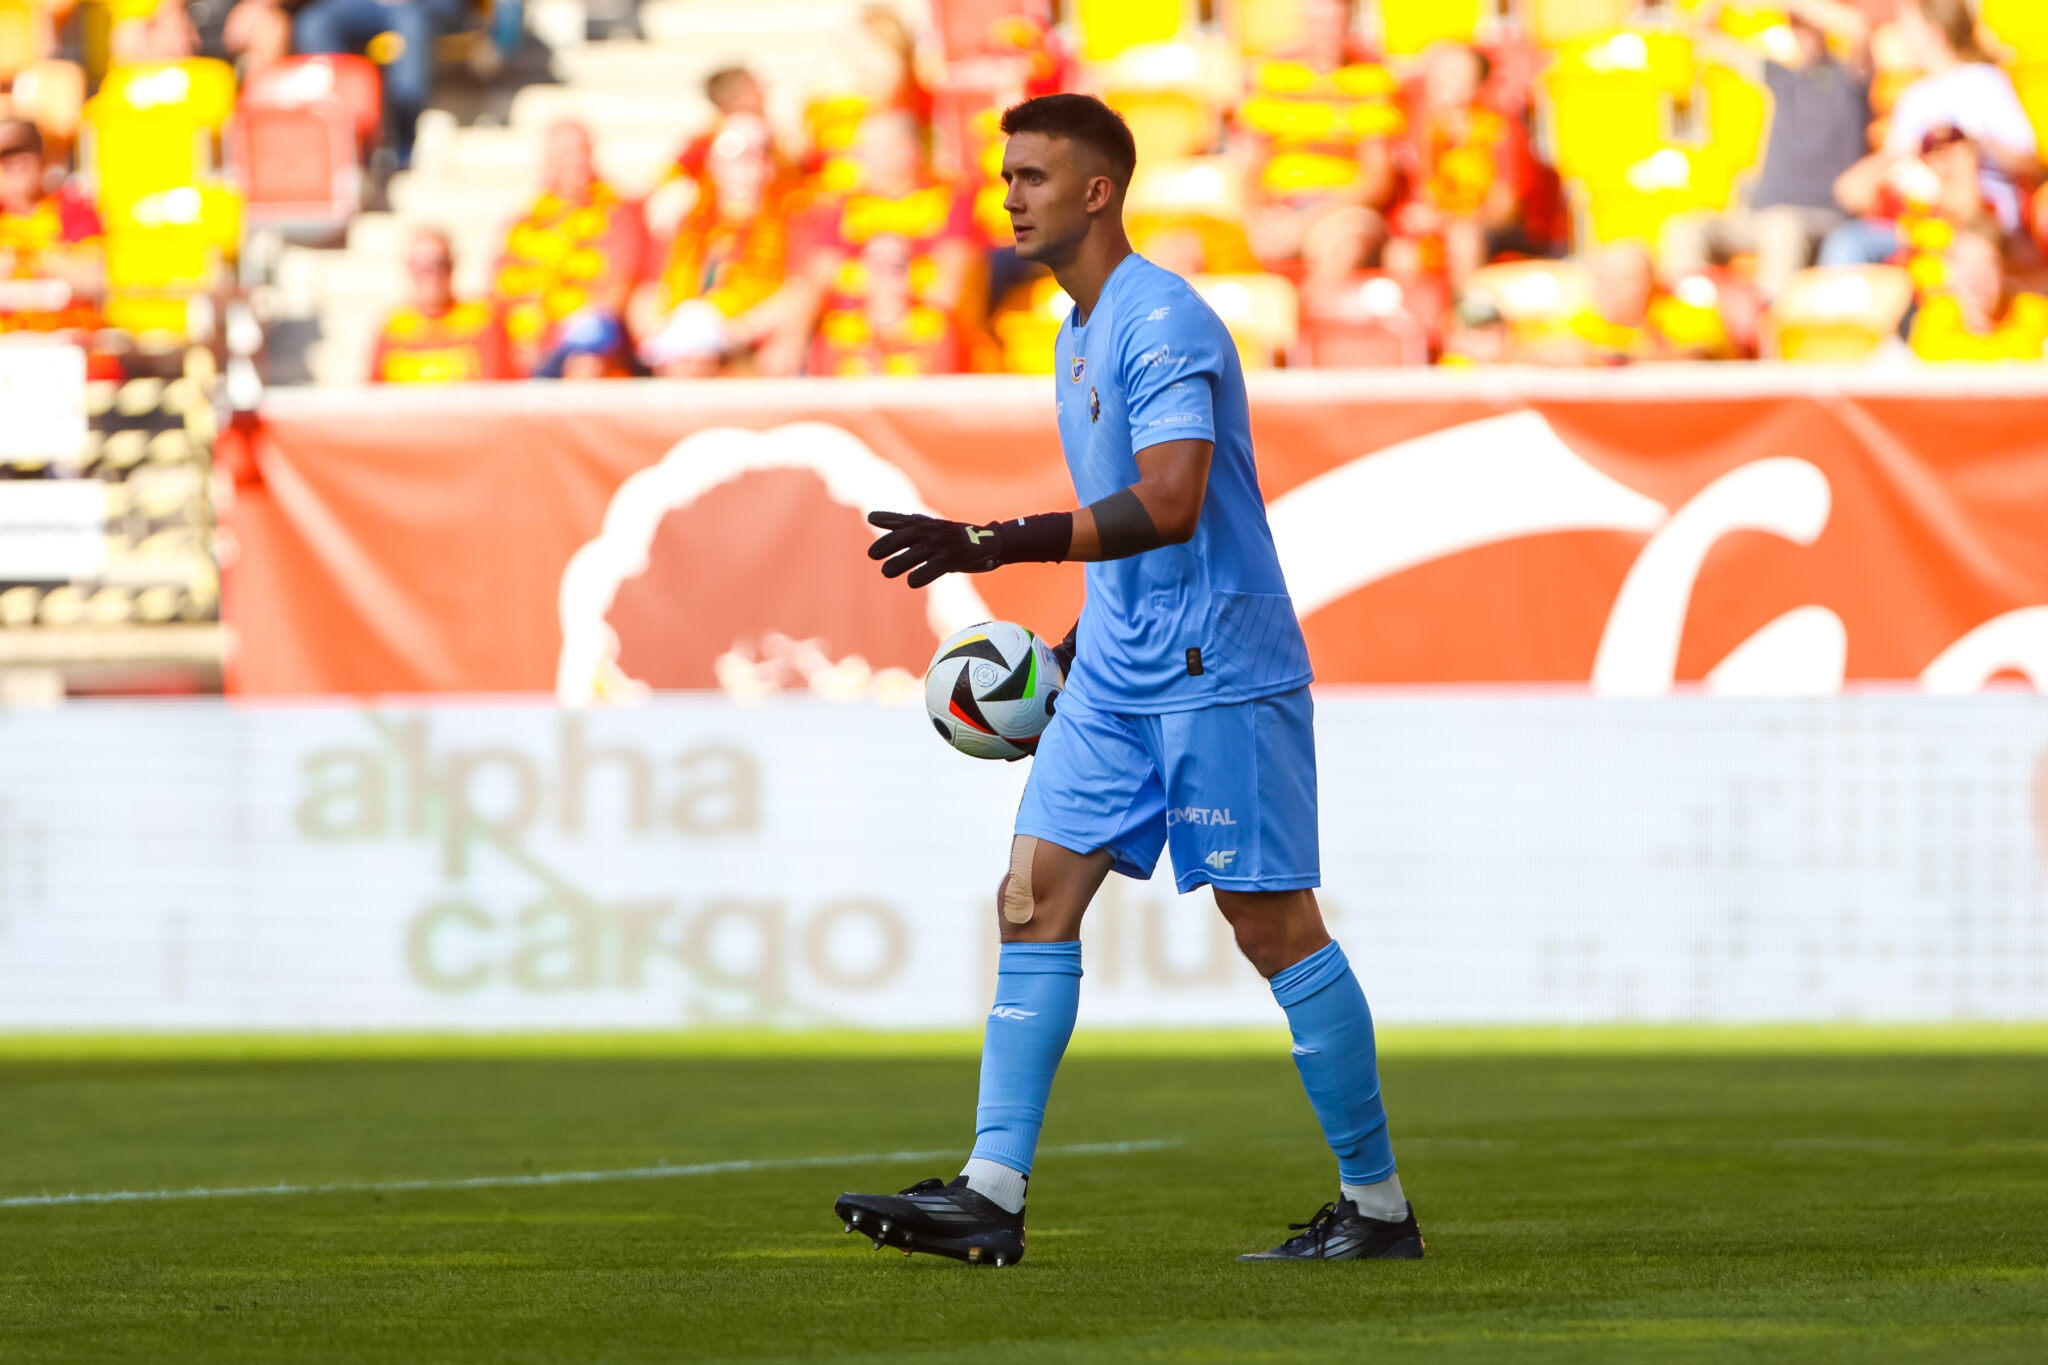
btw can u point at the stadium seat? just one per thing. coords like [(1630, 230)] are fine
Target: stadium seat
[(25, 36), (1636, 204), (2031, 80), (1028, 325), (297, 137), (1108, 27), (51, 95), (147, 124), (1837, 313), (1206, 186), (1534, 298), (1411, 26), (1738, 114), (1262, 312), (2021, 25), (1167, 123), (1369, 320), (1608, 100), (1558, 21)]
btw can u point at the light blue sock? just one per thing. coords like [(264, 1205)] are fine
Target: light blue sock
[(1333, 1050), (1038, 993)]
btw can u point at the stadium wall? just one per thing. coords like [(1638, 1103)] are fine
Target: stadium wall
[(1749, 529), (797, 862)]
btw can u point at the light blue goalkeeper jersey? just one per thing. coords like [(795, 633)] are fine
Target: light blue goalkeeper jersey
[(1188, 626)]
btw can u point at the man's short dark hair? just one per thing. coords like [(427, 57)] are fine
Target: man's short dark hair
[(1081, 119)]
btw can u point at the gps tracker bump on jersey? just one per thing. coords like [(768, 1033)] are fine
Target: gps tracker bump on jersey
[(1195, 662)]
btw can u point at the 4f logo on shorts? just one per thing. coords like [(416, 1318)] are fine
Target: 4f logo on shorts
[(1011, 1012), (1077, 367), (1221, 859)]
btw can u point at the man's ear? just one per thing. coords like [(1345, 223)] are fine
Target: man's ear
[(1101, 193)]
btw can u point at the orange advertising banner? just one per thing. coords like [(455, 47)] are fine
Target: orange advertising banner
[(1746, 530)]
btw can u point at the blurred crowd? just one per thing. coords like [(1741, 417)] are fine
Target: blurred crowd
[(1390, 182)]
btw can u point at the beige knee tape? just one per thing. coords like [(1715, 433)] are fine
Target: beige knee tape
[(1018, 902)]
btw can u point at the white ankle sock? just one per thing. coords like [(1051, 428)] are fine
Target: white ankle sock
[(1382, 1200), (1000, 1185)]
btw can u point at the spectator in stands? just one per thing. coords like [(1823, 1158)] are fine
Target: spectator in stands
[(163, 34), (734, 91), (721, 292), (1963, 89), (52, 266), (1818, 133), (568, 267), (1469, 173), (1921, 202), (1630, 319), (437, 338), (407, 63), (1976, 316), (1343, 171), (888, 331), (884, 54), (900, 196)]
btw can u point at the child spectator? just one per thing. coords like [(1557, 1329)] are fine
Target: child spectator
[(573, 259), (437, 338), (1975, 316), (1325, 119), (1470, 175), (1817, 134), (1921, 202), (900, 197), (408, 64), (52, 265), (725, 269), (887, 332), (1962, 89)]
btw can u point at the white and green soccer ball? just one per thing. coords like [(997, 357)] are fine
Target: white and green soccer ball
[(990, 689)]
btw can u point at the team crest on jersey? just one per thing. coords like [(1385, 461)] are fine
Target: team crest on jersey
[(1077, 366), (1094, 405)]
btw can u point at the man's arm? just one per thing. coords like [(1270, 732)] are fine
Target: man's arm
[(1162, 508)]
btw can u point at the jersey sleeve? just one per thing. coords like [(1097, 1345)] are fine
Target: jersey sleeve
[(1173, 357)]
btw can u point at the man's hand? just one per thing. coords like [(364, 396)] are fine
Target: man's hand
[(927, 548)]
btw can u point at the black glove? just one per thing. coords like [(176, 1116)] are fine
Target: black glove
[(927, 548), (931, 547), (1065, 650)]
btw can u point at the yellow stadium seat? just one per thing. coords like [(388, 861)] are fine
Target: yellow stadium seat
[(2021, 25), (1269, 26), (1110, 26), (1167, 123), (1603, 122), (1667, 58), (1203, 186), (1559, 21), (25, 35), (147, 126), (1837, 313), (1028, 325), (2031, 80), (1738, 112), (51, 95), (1263, 313), (1534, 295), (1411, 26), (1636, 205)]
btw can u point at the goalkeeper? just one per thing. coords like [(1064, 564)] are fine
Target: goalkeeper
[(1185, 724)]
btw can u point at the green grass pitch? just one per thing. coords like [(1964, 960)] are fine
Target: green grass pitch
[(1655, 1195)]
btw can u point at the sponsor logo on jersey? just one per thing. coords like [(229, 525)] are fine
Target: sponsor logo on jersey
[(1077, 367), (1158, 355), (1011, 1012), (1220, 860), (1094, 405), (1157, 315), (1198, 815)]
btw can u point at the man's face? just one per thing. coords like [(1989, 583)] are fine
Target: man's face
[(1327, 28), (887, 260), (21, 179), (568, 168), (430, 268), (1047, 200), (1453, 78), (739, 166)]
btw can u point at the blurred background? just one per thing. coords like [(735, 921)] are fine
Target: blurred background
[(1675, 587)]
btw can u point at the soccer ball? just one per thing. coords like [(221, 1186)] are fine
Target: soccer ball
[(990, 690)]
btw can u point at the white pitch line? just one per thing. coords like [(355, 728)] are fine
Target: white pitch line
[(492, 1182)]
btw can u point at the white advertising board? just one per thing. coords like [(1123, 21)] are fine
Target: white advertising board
[(800, 863)]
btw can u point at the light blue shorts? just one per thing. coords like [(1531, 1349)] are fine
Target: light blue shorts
[(1230, 789)]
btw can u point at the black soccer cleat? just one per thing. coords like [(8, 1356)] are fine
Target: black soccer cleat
[(1339, 1232), (945, 1220)]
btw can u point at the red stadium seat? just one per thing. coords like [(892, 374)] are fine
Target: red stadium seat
[(298, 138), (1370, 320)]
